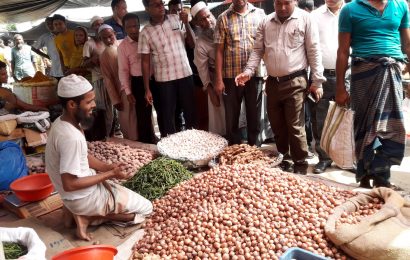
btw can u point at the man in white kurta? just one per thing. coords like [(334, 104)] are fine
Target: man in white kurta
[(204, 59), (88, 195)]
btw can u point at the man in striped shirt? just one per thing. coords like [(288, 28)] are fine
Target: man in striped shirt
[(234, 37), (163, 41)]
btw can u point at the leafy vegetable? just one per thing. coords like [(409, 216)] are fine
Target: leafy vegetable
[(13, 250)]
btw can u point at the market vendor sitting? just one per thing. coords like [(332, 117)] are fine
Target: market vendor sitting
[(9, 103), (89, 195)]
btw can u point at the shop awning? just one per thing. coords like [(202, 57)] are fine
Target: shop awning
[(18, 11)]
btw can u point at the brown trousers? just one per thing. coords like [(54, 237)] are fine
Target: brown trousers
[(286, 116)]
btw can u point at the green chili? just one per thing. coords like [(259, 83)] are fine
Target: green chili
[(156, 178)]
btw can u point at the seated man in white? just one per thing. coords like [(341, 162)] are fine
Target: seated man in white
[(88, 195)]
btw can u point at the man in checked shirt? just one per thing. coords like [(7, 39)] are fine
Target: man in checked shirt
[(162, 42), (234, 38)]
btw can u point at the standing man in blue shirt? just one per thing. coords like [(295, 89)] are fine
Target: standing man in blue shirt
[(377, 31), (119, 10)]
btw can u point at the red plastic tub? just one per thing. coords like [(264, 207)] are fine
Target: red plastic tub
[(100, 252), (33, 187)]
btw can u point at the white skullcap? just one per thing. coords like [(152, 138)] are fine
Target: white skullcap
[(73, 86), (94, 19), (197, 7), (103, 27)]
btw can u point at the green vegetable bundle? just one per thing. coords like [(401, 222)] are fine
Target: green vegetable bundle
[(157, 177), (13, 250)]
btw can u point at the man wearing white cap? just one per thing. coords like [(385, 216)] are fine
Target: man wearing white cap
[(91, 54), (87, 194), (204, 59), (109, 68)]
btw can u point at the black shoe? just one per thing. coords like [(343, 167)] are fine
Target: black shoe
[(365, 182), (286, 166), (321, 166), (381, 182), (300, 168)]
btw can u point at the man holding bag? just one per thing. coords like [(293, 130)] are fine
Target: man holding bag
[(374, 30)]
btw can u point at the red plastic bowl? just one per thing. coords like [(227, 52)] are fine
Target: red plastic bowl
[(100, 252), (33, 187)]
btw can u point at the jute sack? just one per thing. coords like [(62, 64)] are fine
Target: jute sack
[(383, 235), (338, 137)]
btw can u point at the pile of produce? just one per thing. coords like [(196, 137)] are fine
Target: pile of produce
[(192, 145), (109, 152), (13, 250), (244, 154), (156, 178), (362, 212), (241, 212)]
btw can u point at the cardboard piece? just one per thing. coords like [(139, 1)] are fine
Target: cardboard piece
[(35, 138), (103, 234), (32, 209), (54, 241), (17, 133)]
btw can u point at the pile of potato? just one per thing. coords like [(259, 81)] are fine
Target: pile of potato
[(241, 212), (244, 154), (109, 152)]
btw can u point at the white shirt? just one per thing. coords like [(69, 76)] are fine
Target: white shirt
[(288, 47), (66, 152), (328, 34), (47, 40), (204, 58), (91, 49)]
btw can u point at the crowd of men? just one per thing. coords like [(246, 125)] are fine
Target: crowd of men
[(290, 59)]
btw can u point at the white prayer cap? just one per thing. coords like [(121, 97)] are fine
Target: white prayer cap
[(94, 19), (103, 27), (73, 86), (197, 7)]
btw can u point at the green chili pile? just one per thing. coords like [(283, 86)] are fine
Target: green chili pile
[(153, 180), (13, 250)]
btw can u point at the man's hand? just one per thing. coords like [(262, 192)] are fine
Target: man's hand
[(119, 106), (219, 87), (316, 91), (131, 99), (120, 172), (342, 97), (183, 15), (241, 79), (148, 98)]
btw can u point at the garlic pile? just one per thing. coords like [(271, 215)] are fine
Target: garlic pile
[(192, 145)]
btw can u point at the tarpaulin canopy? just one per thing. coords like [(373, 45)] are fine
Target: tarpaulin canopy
[(17, 11)]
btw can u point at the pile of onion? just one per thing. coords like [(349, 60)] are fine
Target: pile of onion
[(241, 212), (363, 211)]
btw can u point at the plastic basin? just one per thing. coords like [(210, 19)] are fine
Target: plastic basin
[(296, 253), (100, 252), (33, 187)]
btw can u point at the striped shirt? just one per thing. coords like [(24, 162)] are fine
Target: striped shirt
[(237, 32), (166, 44)]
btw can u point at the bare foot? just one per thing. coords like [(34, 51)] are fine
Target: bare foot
[(67, 218), (82, 224)]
